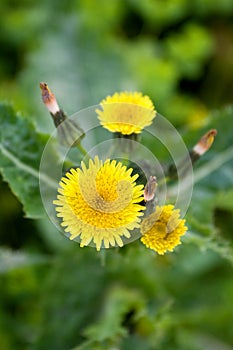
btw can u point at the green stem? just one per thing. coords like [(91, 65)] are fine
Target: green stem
[(103, 257), (82, 149)]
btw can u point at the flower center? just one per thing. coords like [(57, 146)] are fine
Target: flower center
[(105, 190), (160, 229)]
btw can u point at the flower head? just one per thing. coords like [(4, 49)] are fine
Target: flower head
[(126, 112), (100, 202), (162, 229)]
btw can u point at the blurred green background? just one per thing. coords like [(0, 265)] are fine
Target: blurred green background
[(54, 295)]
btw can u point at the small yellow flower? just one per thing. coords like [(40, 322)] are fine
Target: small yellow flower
[(126, 112), (100, 203), (162, 229)]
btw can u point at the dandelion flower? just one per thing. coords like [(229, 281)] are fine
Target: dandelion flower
[(126, 112), (100, 203), (162, 229)]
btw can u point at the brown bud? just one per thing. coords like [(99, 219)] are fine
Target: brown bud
[(205, 142), (68, 131), (150, 189), (49, 99)]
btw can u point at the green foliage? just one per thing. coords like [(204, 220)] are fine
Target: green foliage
[(135, 299), (213, 174), (21, 149), (189, 59), (55, 295), (10, 260)]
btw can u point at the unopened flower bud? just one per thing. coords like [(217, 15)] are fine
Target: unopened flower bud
[(203, 145), (195, 153), (205, 142), (49, 99), (150, 189), (68, 131)]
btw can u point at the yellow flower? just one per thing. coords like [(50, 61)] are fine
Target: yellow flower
[(162, 229), (100, 202), (126, 112)]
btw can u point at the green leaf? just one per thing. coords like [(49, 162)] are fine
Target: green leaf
[(212, 198), (213, 172), (217, 244), (188, 58), (21, 148)]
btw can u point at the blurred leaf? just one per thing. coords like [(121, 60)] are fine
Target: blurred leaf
[(69, 80), (209, 7), (19, 302), (55, 241), (217, 244), (72, 291), (154, 74), (119, 304), (159, 15), (10, 260), (21, 148), (189, 58), (213, 188), (212, 173)]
